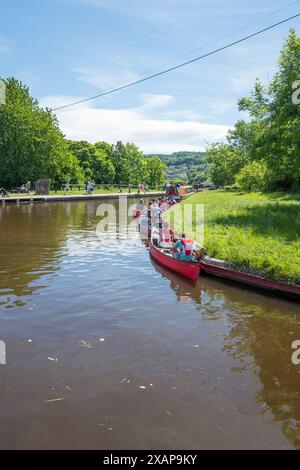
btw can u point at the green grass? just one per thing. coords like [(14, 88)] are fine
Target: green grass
[(258, 231)]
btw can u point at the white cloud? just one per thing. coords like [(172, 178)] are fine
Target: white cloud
[(156, 101), (86, 122), (221, 105), (6, 46), (104, 79)]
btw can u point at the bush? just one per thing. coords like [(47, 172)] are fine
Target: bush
[(232, 187), (252, 177)]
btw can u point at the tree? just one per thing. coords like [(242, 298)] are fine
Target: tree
[(225, 162), (130, 164), (103, 169), (31, 143), (252, 177), (271, 137), (156, 172), (95, 160)]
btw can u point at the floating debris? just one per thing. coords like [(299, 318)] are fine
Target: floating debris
[(168, 413), (54, 359), (29, 341), (142, 387), (54, 399), (68, 388), (101, 340), (85, 344)]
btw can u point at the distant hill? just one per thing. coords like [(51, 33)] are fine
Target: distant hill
[(187, 167), (181, 158)]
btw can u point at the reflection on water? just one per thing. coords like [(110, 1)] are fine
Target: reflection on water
[(106, 349)]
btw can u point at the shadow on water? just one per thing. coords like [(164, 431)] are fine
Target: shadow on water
[(259, 341), (184, 289)]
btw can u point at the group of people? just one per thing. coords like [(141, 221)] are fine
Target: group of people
[(153, 211), (162, 235), (25, 188), (172, 189)]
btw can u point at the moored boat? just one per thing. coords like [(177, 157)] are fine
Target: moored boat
[(190, 270), (224, 270)]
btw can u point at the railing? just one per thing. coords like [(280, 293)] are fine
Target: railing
[(107, 187), (81, 189)]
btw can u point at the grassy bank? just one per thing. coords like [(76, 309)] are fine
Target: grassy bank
[(259, 231)]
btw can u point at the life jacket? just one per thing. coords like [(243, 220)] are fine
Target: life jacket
[(188, 246)]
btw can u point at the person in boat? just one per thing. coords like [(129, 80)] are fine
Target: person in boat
[(155, 236), (167, 235), (149, 214), (140, 206), (184, 249), (158, 216), (164, 206)]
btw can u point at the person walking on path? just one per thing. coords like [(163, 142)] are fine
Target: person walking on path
[(67, 187), (89, 187), (28, 187)]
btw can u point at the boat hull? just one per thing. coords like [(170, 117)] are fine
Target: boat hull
[(251, 279), (188, 270)]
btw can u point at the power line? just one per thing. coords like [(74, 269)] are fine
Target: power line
[(171, 61), (183, 64)]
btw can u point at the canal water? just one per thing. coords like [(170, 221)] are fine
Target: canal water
[(107, 350)]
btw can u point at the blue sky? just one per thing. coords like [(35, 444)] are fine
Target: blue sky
[(71, 49)]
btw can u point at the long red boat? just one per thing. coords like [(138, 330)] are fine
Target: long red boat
[(190, 270), (218, 268)]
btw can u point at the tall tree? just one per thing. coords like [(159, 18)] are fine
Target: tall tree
[(156, 172), (271, 136), (31, 143)]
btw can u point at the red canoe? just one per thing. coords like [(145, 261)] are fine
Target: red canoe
[(218, 268), (184, 268)]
